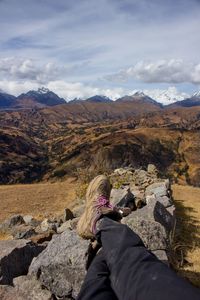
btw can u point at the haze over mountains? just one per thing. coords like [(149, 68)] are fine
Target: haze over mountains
[(44, 98)]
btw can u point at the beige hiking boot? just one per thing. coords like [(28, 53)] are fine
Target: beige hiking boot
[(97, 205)]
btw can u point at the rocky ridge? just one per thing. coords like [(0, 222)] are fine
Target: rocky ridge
[(46, 259)]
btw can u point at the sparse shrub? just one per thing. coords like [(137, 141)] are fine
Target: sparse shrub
[(81, 190)]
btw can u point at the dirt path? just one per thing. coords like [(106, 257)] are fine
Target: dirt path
[(187, 201), (40, 200)]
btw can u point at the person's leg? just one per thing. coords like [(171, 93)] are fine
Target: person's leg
[(96, 285), (135, 273)]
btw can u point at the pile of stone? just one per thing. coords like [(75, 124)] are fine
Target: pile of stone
[(46, 260)]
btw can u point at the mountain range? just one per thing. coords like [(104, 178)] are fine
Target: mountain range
[(45, 98)]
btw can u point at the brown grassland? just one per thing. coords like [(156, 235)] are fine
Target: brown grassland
[(40, 200), (186, 241)]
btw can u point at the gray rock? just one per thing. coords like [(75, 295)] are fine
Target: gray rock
[(29, 220), (141, 175), (15, 258), (116, 195), (68, 225), (78, 210), (124, 171), (48, 225), (123, 198), (29, 288), (22, 231), (138, 193), (159, 189), (65, 226), (13, 221), (164, 200), (153, 224), (25, 288), (151, 232), (161, 255), (164, 216), (152, 169), (61, 266), (7, 292)]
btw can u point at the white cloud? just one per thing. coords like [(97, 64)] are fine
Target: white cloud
[(29, 69), (16, 88), (64, 89), (161, 71)]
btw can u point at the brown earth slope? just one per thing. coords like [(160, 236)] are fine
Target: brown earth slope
[(56, 142)]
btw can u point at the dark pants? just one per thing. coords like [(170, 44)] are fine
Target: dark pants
[(125, 268)]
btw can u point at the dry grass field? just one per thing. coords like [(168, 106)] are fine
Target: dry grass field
[(187, 236), (40, 200)]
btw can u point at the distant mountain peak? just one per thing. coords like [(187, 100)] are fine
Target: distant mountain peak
[(99, 98), (40, 98), (43, 90), (139, 94), (167, 96)]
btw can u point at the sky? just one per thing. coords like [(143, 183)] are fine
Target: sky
[(79, 48)]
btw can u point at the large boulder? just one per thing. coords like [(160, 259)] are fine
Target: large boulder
[(153, 224), (15, 258), (152, 233), (61, 266)]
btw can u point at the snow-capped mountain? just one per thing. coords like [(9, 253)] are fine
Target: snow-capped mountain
[(43, 90), (42, 96), (139, 95), (167, 96)]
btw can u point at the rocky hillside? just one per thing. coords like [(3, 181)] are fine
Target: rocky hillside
[(51, 257)]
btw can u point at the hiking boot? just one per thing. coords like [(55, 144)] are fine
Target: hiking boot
[(97, 206)]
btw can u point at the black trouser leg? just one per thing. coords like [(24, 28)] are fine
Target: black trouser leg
[(96, 285), (135, 273)]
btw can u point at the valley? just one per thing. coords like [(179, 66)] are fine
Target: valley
[(56, 142)]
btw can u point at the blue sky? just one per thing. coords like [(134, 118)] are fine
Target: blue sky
[(83, 47)]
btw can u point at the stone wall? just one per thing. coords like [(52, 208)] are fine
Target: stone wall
[(47, 259)]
